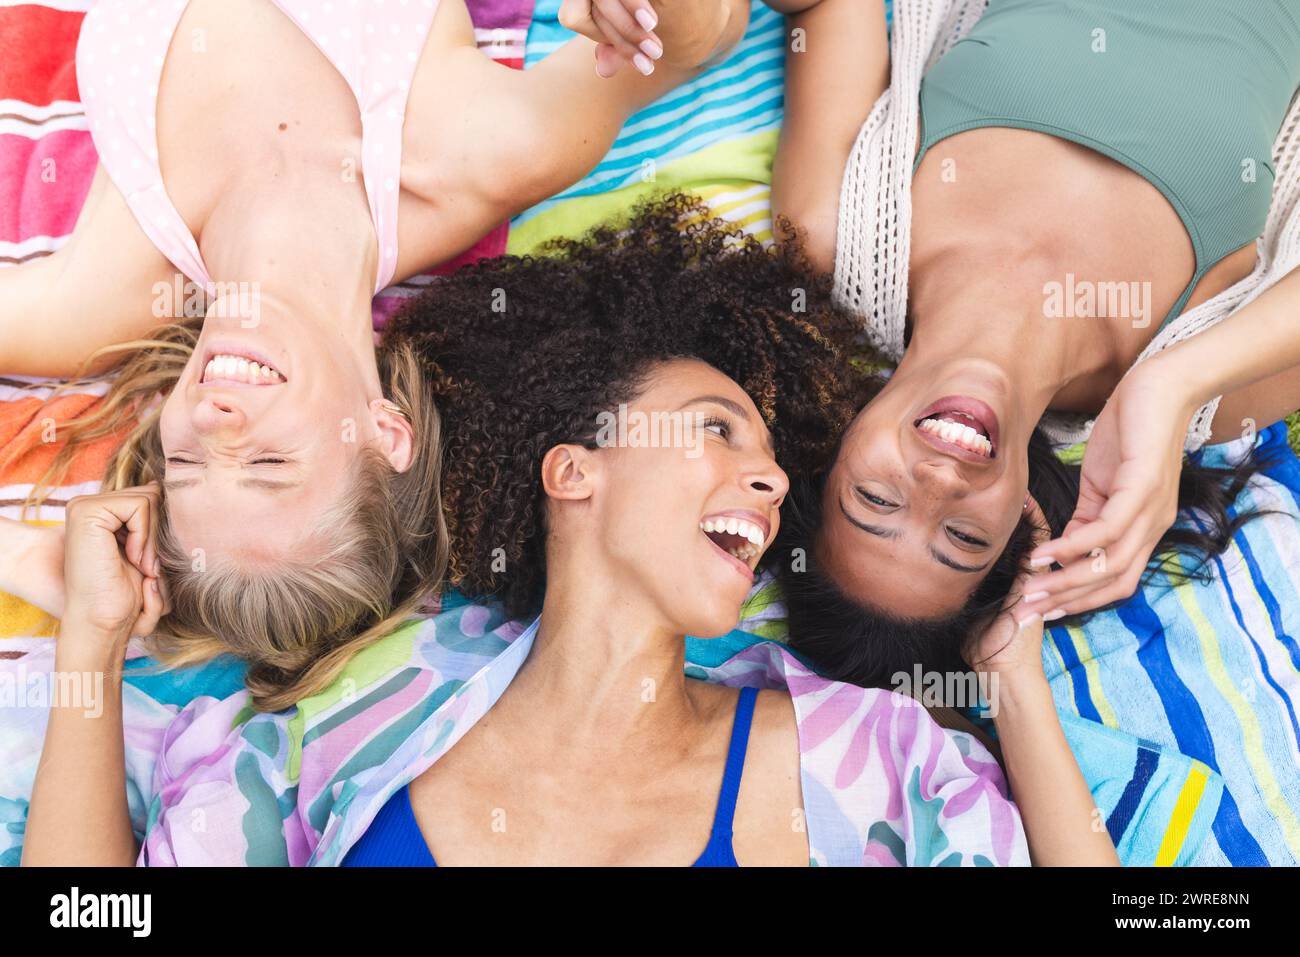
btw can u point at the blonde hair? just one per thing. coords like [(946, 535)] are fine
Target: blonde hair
[(376, 558)]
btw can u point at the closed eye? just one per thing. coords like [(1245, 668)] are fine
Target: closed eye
[(875, 500), (968, 539)]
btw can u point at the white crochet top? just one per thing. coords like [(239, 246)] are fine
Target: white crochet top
[(875, 212)]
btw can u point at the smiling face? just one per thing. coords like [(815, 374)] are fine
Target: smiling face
[(928, 486), (680, 528), (261, 434)]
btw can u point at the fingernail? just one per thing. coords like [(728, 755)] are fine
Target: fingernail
[(651, 49), (643, 64), (647, 19), (1034, 596), (1042, 562), (153, 584), (603, 76), (1054, 614), (1025, 623)]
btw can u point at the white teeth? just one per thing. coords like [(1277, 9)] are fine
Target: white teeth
[(958, 433), (752, 534), (240, 369)]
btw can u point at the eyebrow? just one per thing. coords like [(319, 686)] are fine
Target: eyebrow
[(735, 409), (882, 532)]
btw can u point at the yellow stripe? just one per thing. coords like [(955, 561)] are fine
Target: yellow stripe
[(1184, 810), (21, 620), (1083, 651), (724, 199), (1252, 736)]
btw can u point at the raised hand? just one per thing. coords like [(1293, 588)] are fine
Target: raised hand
[(111, 569), (1128, 497), (688, 33)]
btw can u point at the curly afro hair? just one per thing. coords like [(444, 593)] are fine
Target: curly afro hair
[(524, 353)]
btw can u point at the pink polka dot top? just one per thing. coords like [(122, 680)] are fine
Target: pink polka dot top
[(374, 44)]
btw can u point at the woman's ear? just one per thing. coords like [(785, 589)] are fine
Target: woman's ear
[(396, 436), (568, 472)]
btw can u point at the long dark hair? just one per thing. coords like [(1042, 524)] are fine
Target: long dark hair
[(848, 640)]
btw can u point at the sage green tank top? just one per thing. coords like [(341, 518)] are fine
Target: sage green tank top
[(1189, 94)]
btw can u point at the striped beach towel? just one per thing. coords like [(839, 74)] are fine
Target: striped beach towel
[(1212, 669), (714, 136)]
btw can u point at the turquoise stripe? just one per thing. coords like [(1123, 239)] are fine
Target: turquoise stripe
[(683, 142), (741, 96)]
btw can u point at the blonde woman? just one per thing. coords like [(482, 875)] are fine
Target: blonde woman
[(291, 159)]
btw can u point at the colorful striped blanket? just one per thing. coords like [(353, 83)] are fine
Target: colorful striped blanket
[(1163, 707), (714, 136)]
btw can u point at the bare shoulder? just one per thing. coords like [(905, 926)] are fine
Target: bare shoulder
[(97, 290), (769, 827)]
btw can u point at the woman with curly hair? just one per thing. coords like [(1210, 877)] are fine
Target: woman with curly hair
[(613, 417), (620, 548)]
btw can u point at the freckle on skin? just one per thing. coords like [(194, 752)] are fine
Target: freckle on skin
[(283, 127)]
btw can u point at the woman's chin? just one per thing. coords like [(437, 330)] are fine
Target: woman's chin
[(715, 623)]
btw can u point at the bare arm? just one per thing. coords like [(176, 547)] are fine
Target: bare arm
[(1061, 820), (1062, 825), (836, 67), (494, 141), (1252, 359), (98, 289), (79, 813)]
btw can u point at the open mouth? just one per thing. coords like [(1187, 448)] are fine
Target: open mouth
[(739, 537), (965, 425), (233, 368)]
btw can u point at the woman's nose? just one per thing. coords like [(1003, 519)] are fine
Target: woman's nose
[(938, 476), (770, 479), (215, 416)]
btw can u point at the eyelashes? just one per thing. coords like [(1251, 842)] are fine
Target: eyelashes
[(717, 421), (173, 460), (962, 537)]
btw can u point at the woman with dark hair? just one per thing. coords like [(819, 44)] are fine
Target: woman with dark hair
[(1051, 216), (613, 416), (849, 638)]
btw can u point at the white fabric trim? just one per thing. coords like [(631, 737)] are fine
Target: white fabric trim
[(875, 213)]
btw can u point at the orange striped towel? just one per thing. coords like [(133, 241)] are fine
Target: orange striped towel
[(27, 423)]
